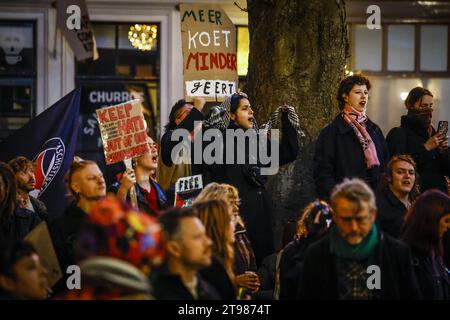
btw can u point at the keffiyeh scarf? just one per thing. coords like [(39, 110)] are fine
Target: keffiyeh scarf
[(220, 117)]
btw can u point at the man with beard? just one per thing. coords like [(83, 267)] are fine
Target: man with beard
[(150, 196), (24, 171), (417, 137), (355, 261)]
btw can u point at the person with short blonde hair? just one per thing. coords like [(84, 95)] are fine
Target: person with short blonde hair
[(86, 187)]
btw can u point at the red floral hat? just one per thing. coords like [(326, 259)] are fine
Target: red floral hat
[(114, 229)]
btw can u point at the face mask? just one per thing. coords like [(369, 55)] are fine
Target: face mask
[(421, 116)]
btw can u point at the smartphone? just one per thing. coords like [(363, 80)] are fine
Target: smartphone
[(443, 127)]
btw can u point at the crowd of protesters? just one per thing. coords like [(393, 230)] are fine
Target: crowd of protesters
[(378, 229)]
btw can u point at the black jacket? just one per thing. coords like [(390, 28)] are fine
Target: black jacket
[(64, 231), (167, 144), (391, 212), (432, 166), (267, 273), (19, 225), (338, 155), (291, 265), (256, 202), (167, 286), (216, 275), (320, 280), (433, 281), (39, 208)]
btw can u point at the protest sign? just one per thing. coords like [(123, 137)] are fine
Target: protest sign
[(209, 52), (123, 131), (39, 237), (187, 189), (73, 21)]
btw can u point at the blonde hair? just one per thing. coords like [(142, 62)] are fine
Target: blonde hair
[(218, 191), (221, 191), (214, 216), (77, 165)]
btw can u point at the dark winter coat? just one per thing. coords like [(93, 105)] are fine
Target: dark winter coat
[(398, 281), (167, 145), (19, 225), (64, 231), (391, 212), (40, 208), (433, 281), (291, 265), (217, 276), (432, 165), (267, 273), (167, 286), (256, 202), (338, 155)]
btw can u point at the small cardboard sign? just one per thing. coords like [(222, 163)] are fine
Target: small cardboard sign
[(123, 131), (187, 189), (209, 52), (40, 238)]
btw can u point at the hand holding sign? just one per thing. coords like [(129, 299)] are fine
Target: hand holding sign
[(209, 52), (186, 189), (199, 103), (123, 131), (126, 183)]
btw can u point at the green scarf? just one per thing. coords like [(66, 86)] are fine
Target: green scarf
[(340, 247)]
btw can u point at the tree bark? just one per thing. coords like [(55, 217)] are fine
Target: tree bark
[(297, 56)]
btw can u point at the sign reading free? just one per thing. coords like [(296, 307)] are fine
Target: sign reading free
[(123, 131), (209, 52)]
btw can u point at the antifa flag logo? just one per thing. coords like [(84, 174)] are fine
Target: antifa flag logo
[(48, 162)]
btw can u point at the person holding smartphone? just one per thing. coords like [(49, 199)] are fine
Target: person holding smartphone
[(417, 137)]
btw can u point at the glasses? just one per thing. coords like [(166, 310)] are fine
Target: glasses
[(358, 220)]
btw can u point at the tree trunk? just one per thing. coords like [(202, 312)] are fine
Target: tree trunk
[(297, 55)]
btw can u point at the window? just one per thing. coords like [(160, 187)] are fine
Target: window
[(17, 75), (121, 73), (434, 48), (368, 48), (406, 49), (400, 48)]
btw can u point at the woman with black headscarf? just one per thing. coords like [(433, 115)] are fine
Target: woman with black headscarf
[(235, 114), (417, 137)]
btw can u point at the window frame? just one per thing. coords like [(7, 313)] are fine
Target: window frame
[(384, 52), (156, 53)]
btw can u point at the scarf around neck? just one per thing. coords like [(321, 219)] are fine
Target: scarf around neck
[(357, 120), (362, 251), (421, 118)]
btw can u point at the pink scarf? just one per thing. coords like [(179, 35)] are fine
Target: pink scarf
[(357, 121)]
